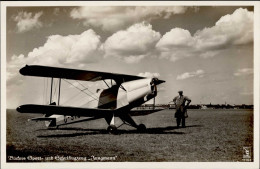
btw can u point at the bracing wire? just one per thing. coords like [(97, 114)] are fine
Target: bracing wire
[(74, 98), (86, 88), (70, 99), (82, 90)]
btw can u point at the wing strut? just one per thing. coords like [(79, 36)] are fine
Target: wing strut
[(59, 92), (106, 83), (51, 90), (54, 92)]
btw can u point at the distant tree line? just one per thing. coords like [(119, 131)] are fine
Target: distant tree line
[(204, 106)]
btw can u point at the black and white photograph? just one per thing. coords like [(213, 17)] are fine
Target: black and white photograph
[(98, 84)]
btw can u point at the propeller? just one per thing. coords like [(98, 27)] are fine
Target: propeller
[(153, 103), (154, 83)]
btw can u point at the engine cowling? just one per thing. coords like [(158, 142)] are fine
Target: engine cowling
[(132, 91)]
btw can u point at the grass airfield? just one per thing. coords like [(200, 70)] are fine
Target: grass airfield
[(210, 136)]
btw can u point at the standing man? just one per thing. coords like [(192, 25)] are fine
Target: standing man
[(181, 108)]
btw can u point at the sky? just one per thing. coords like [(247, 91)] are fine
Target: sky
[(206, 51)]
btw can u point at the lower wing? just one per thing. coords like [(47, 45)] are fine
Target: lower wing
[(63, 110), (143, 112), (77, 111)]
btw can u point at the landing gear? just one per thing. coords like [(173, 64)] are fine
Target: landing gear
[(141, 128), (126, 119), (112, 129)]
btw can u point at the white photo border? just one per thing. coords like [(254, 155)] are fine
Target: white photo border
[(147, 165)]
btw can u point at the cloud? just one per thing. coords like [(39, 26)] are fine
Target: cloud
[(162, 89), (140, 41), (149, 74), (133, 44), (176, 38), (176, 44), (208, 54), (244, 72), (198, 73), (234, 29), (113, 18), (246, 93), (63, 51), (56, 11), (71, 49), (26, 21), (12, 69)]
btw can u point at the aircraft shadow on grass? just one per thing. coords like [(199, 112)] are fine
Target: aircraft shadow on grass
[(160, 130)]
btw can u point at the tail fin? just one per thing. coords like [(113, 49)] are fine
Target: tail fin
[(49, 122)]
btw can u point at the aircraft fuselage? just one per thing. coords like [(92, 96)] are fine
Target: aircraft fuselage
[(124, 96)]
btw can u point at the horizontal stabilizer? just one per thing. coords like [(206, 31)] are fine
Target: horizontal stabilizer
[(63, 110), (79, 121), (42, 119), (143, 112)]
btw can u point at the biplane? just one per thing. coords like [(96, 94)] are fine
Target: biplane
[(119, 99)]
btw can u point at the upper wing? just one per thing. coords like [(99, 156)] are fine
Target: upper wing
[(63, 110), (75, 74)]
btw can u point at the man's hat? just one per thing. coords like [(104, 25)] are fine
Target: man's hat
[(180, 91)]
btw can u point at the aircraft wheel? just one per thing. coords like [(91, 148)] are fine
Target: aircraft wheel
[(141, 128), (112, 129)]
